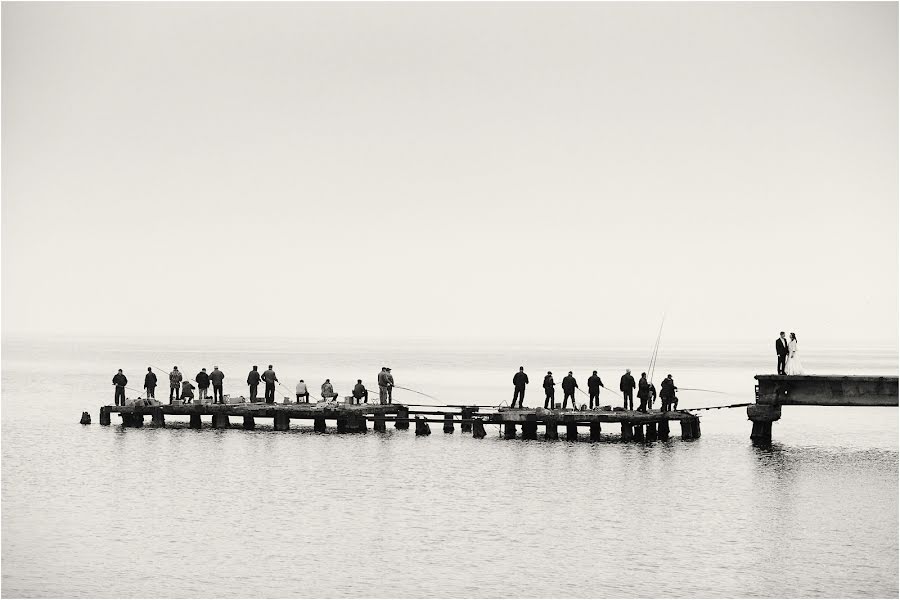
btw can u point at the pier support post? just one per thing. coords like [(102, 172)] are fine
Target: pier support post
[(357, 423), (281, 421), (380, 423), (551, 430), (571, 432), (762, 415), (85, 418), (342, 424), (529, 429), (157, 418), (509, 431), (466, 415), (595, 432), (132, 419), (448, 423), (220, 421), (627, 432), (104, 415), (663, 430), (686, 429), (249, 422), (695, 427), (319, 424), (478, 431), (638, 434), (651, 432), (196, 423), (422, 427), (402, 421)]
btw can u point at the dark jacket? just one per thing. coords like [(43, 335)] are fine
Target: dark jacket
[(269, 377), (202, 380), (643, 389), (253, 378), (520, 379), (781, 348), (120, 380), (569, 384), (667, 388), (216, 377), (594, 383), (150, 380), (626, 383), (548, 382), (359, 390)]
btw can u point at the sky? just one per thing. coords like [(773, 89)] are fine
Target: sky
[(468, 171)]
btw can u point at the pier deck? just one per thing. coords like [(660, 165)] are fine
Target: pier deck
[(354, 418)]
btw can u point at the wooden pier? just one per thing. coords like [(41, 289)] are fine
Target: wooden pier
[(355, 418), (775, 391)]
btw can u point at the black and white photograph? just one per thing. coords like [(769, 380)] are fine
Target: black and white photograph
[(413, 299)]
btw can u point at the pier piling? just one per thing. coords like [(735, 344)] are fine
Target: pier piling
[(627, 432), (638, 435), (595, 432), (380, 423), (529, 429), (85, 418), (157, 418), (249, 422), (651, 432), (551, 429), (571, 432), (466, 414), (663, 430), (422, 427), (509, 431), (281, 422), (448, 423), (478, 431), (319, 425), (402, 421), (104, 415), (196, 423)]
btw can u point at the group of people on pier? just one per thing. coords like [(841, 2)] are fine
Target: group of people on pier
[(646, 391), (181, 388)]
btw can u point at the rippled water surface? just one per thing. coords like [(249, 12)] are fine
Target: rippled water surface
[(107, 512)]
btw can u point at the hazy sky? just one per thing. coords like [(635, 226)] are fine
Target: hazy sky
[(537, 171)]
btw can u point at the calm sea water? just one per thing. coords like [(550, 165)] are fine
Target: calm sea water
[(107, 512)]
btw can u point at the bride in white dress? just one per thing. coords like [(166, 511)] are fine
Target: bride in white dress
[(793, 365)]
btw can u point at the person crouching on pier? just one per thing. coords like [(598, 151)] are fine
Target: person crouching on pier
[(328, 391), (594, 385), (643, 393), (360, 392), (202, 380), (549, 390), (667, 391), (187, 391), (568, 387), (174, 384), (302, 392), (120, 381), (626, 385)]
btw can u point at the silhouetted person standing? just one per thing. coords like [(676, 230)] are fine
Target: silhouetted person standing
[(568, 387), (270, 379), (626, 385), (383, 386), (174, 384), (520, 380), (781, 349), (216, 378), (150, 383), (202, 379), (253, 381), (667, 391), (549, 390), (594, 385), (643, 393), (120, 381)]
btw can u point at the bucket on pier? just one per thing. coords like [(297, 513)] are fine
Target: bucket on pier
[(351, 400)]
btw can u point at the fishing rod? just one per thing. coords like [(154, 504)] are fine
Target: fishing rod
[(652, 367), (717, 407), (416, 392), (700, 390)]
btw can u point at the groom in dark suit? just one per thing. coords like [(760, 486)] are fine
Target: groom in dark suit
[(781, 349)]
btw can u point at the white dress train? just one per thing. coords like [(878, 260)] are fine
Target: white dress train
[(793, 365)]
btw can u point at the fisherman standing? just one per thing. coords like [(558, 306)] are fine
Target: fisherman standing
[(568, 387), (549, 390), (120, 381), (667, 391), (594, 385), (360, 392), (383, 386), (174, 384), (150, 383), (520, 380), (253, 382), (216, 377), (626, 385), (643, 393), (202, 380), (269, 377), (328, 391), (302, 392), (390, 386)]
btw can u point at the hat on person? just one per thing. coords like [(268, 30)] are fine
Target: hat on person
[(549, 373)]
